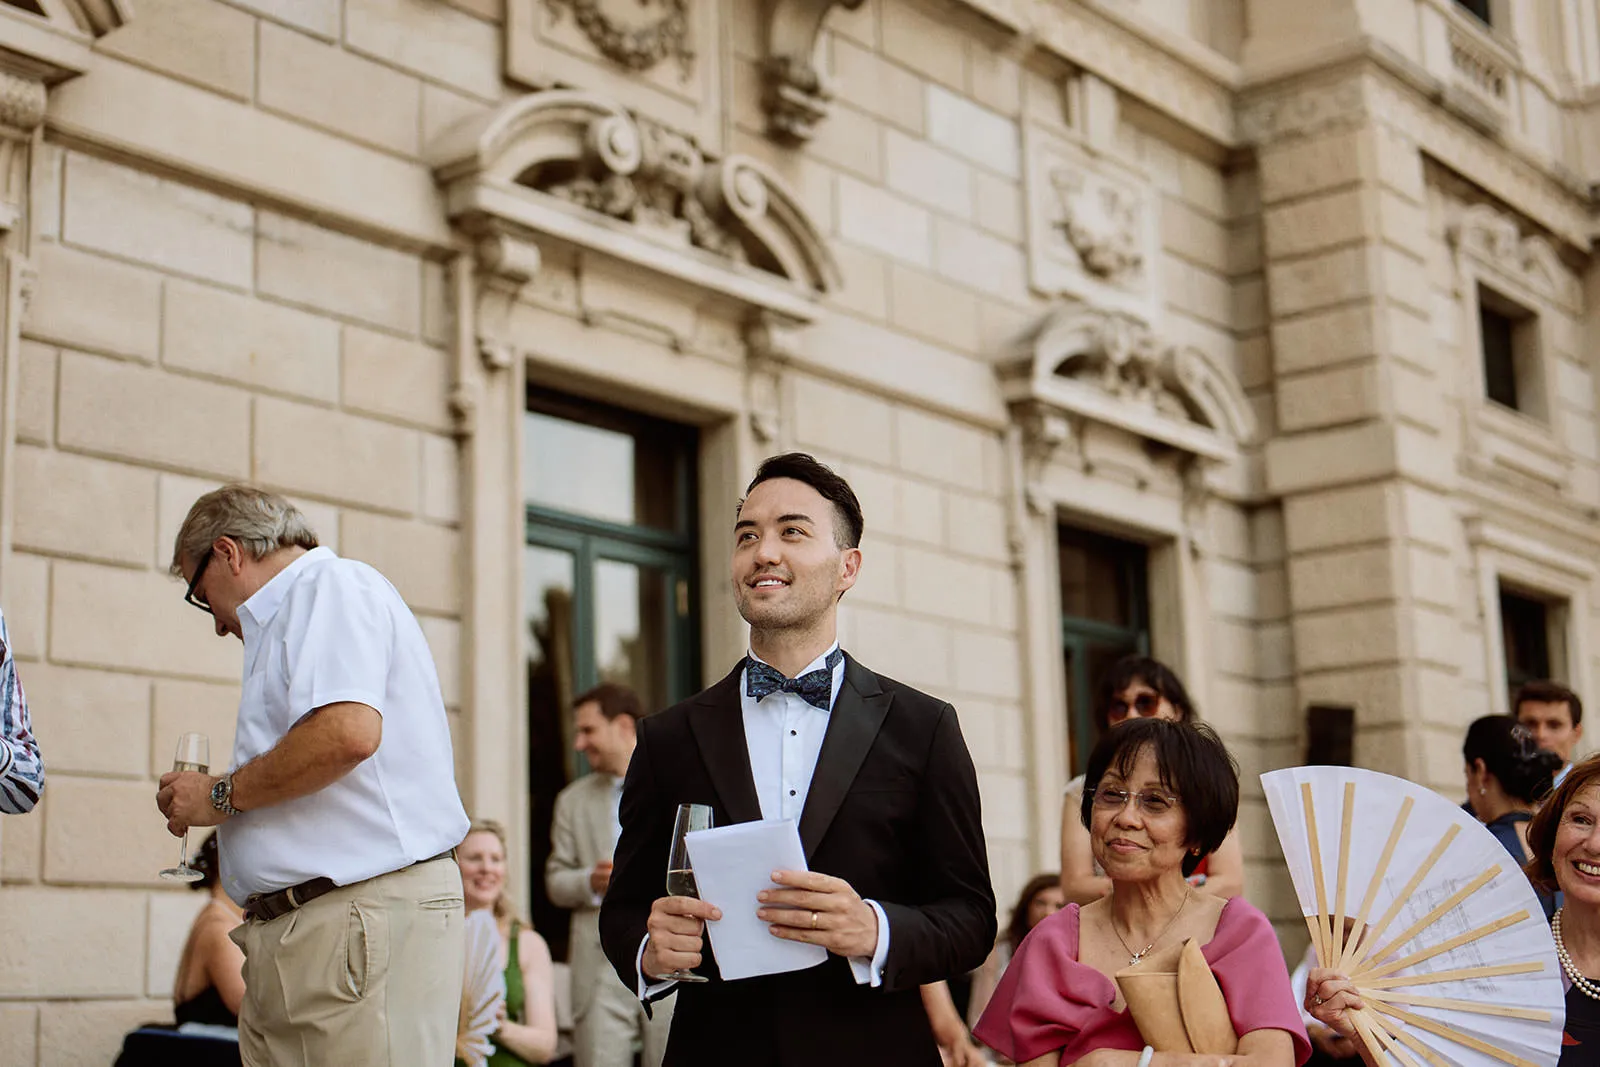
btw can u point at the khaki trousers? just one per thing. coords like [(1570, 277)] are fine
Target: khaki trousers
[(604, 1035), (367, 974)]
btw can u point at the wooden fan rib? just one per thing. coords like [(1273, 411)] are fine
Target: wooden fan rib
[(1368, 1026), (1324, 933), (1454, 1036), (1376, 931), (1347, 957), (1337, 929), (1416, 1045), (1392, 1046), (1455, 1004), (1442, 947), (1444, 906), (1459, 974)]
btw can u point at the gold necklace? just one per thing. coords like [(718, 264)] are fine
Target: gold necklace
[(1135, 957)]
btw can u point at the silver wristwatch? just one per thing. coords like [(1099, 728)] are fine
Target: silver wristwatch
[(222, 795)]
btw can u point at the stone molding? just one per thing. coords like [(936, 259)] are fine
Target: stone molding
[(797, 93), (576, 168), (1496, 241), (636, 47), (1085, 364), (1092, 225)]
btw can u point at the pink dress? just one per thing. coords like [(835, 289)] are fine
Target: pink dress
[(1047, 1000)]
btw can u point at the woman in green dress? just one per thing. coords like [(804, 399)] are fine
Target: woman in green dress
[(527, 1033)]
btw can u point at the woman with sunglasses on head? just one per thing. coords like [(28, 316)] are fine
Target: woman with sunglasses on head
[(1160, 797), (1137, 687)]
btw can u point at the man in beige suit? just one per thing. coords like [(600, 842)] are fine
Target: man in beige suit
[(607, 1016)]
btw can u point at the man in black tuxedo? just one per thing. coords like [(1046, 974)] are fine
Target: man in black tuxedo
[(877, 775)]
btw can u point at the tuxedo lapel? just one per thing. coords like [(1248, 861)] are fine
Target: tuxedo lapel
[(852, 727), (718, 726)]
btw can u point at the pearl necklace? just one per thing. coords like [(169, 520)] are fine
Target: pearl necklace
[(1589, 987)]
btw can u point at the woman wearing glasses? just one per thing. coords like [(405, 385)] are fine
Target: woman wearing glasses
[(1161, 797), (1137, 687)]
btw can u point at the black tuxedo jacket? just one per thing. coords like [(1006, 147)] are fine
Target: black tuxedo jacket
[(893, 810)]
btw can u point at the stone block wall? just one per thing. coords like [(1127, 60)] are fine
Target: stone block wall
[(183, 338)]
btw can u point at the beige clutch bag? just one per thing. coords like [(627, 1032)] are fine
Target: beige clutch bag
[(1176, 1003)]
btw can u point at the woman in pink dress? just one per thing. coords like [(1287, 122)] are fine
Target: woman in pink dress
[(1160, 796)]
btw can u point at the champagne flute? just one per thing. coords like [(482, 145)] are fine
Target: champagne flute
[(194, 754), (680, 875)]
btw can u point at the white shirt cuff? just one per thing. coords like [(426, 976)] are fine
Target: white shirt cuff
[(647, 988), (870, 972)]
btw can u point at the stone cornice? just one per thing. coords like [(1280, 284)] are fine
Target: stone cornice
[(1222, 101)]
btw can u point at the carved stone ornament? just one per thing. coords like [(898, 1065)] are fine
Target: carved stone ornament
[(1082, 363), (1496, 242), (577, 168), (1091, 225), (636, 46), (796, 93)]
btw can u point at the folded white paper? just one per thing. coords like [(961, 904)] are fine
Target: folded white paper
[(731, 865)]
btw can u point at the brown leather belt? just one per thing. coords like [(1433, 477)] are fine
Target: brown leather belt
[(269, 906)]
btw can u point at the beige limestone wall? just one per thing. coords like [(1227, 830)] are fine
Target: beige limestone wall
[(182, 338)]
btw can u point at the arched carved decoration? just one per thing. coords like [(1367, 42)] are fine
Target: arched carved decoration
[(575, 167), (1495, 238), (1082, 363)]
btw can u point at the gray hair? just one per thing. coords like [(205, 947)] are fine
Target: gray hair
[(260, 521)]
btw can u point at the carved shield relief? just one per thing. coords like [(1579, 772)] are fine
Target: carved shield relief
[(658, 58), (1092, 226)]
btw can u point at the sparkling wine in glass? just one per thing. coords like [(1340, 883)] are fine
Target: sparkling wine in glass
[(194, 754), (680, 875)]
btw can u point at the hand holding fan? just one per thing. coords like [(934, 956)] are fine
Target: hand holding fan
[(483, 990), (1426, 913)]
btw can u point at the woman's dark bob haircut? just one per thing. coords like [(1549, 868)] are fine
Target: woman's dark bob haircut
[(1194, 766), (1541, 870)]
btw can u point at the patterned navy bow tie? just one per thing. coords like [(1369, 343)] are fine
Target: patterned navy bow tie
[(814, 687)]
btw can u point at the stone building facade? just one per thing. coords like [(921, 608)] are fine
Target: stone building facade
[(1251, 335)]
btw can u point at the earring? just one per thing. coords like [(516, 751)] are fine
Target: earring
[(1482, 791)]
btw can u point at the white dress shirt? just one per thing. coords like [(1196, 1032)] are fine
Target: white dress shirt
[(325, 631), (783, 733)]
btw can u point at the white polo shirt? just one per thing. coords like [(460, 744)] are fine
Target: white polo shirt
[(326, 630)]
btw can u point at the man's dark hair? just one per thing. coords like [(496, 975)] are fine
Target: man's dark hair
[(1544, 691), (802, 467), (1153, 673), (1523, 769), (613, 699), (1193, 764)]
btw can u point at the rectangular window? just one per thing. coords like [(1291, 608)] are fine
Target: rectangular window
[(1104, 616), (1477, 8), (1532, 630), (1508, 339)]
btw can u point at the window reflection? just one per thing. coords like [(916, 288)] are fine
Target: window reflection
[(548, 582), (624, 475), (630, 638)]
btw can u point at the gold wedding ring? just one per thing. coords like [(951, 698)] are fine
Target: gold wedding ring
[(813, 920)]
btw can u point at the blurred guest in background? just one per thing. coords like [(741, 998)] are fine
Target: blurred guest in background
[(1041, 898), (528, 1034), (1507, 776), (1554, 714), (210, 982), (1137, 687)]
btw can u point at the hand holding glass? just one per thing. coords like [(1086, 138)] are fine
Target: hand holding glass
[(194, 754), (680, 875)]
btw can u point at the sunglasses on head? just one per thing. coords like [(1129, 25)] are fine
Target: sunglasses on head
[(1146, 704)]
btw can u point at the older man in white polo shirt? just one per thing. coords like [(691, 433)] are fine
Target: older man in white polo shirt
[(337, 820)]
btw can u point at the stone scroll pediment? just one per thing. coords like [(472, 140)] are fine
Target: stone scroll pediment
[(1103, 365), (576, 168)]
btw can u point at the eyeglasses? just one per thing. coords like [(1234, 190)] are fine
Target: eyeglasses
[(1149, 802), (1146, 704), (188, 595)]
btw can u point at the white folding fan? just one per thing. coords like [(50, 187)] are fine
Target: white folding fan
[(483, 990), (1446, 944)]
